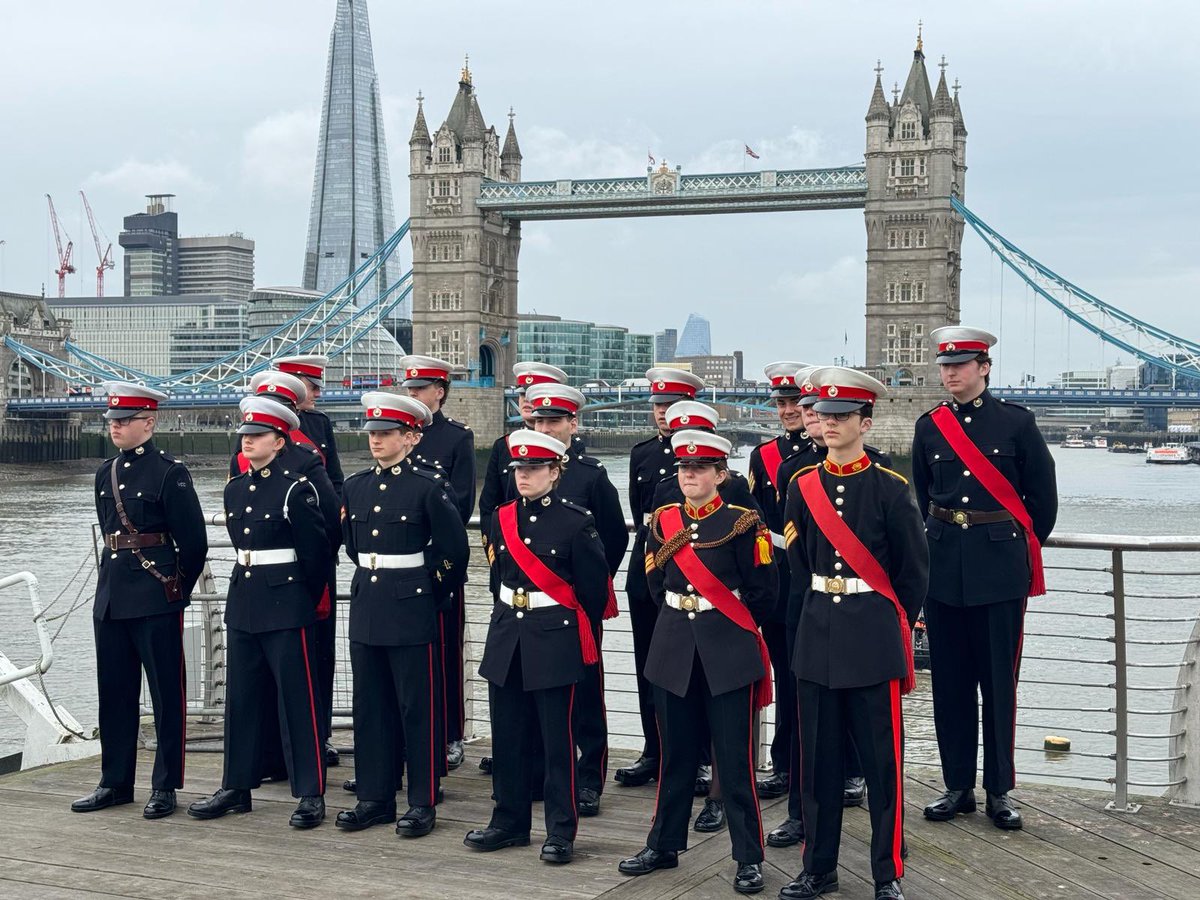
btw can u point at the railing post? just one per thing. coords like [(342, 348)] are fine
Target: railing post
[(1120, 801), (1185, 730)]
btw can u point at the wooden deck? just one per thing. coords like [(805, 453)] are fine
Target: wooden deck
[(1070, 847)]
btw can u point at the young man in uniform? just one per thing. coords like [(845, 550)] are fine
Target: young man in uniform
[(449, 448), (584, 481), (986, 481), (409, 547), (859, 574), (317, 427), (155, 544), (650, 461)]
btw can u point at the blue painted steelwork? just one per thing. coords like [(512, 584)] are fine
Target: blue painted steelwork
[(667, 192), (1115, 326)]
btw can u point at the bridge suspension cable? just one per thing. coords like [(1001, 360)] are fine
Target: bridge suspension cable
[(1114, 326)]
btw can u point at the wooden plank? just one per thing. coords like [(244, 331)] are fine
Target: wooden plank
[(12, 889), (1174, 823)]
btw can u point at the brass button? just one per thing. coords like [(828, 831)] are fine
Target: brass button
[(374, 578), (374, 532), (837, 599), (248, 509), (520, 615), (377, 508), (247, 573), (691, 615), (837, 567), (245, 531)]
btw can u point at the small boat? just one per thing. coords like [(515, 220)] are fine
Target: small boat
[(1100, 443), (1074, 442), (1168, 454), (1118, 447)]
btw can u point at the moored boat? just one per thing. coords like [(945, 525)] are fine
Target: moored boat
[(1168, 454)]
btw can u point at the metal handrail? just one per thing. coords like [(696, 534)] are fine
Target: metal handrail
[(46, 658)]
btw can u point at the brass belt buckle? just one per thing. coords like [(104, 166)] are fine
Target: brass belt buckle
[(688, 604), (835, 585), (520, 599), (960, 517)]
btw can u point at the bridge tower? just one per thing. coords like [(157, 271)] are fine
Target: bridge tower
[(916, 161), (464, 258)]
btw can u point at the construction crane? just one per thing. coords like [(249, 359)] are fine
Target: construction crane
[(65, 266), (106, 260)]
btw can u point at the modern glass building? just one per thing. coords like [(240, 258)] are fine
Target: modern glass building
[(351, 212), (151, 244), (696, 339), (584, 350), (665, 342)]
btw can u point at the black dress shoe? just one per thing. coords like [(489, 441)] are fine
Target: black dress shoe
[(790, 833), (950, 804), (489, 839), (588, 802), (455, 754), (888, 890), (160, 805), (103, 798), (365, 814), (557, 850), (417, 822), (749, 879), (309, 813), (999, 809), (350, 785), (854, 791), (711, 818), (807, 886), (703, 781), (332, 757), (226, 800), (648, 861), (485, 765), (641, 772), (774, 785)]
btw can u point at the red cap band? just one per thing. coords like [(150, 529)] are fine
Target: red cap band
[(837, 392), (963, 346), (784, 381), (672, 387), (395, 415), (808, 388), (529, 379), (532, 451), (132, 402), (691, 451), (416, 372), (268, 388), (557, 402), (293, 368), (690, 422), (258, 418)]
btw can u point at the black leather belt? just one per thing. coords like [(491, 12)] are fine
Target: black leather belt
[(968, 517)]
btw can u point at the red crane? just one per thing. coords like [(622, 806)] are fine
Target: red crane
[(106, 260), (65, 266)]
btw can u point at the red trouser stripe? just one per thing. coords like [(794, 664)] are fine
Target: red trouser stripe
[(312, 708), (182, 703), (897, 731), (432, 737)]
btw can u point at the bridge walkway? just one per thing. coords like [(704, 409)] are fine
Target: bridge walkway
[(1071, 847)]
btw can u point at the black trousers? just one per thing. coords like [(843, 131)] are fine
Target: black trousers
[(325, 638), (452, 623), (590, 721), (872, 717), (730, 718), (512, 707), (287, 660), (123, 648), (642, 616), (396, 690), (776, 638), (976, 649)]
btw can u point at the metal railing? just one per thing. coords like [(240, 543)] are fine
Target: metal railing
[(1140, 613)]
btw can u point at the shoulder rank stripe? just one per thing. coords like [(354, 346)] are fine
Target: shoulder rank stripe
[(649, 563), (789, 533)]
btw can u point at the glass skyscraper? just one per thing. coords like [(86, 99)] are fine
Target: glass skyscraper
[(695, 340), (351, 213)]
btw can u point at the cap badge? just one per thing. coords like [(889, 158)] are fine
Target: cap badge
[(271, 388), (683, 420), (950, 345), (249, 417), (114, 400), (546, 401), (523, 450), (808, 386), (662, 386), (376, 411), (785, 380), (833, 391), (527, 379), (414, 372), (691, 449)]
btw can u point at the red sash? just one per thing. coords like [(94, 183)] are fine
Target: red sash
[(545, 580), (998, 486), (846, 542), (772, 459), (715, 592)]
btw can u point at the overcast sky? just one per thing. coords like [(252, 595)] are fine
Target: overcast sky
[(1083, 121)]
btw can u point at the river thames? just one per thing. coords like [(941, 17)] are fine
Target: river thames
[(47, 513)]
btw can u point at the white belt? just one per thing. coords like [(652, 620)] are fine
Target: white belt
[(688, 602), (391, 560), (265, 557), (521, 599), (645, 518), (839, 585), (778, 540)]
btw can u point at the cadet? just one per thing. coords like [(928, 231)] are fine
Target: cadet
[(548, 567), (585, 483), (709, 566), (276, 525), (154, 549), (409, 547), (768, 491), (985, 478), (859, 573), (315, 425), (650, 461), (448, 447)]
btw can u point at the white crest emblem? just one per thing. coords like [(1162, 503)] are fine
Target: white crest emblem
[(271, 388), (662, 386), (950, 345), (114, 400), (833, 391), (691, 449), (414, 372), (376, 412), (683, 420), (546, 401), (249, 417), (523, 450)]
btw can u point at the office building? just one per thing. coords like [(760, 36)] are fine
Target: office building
[(587, 352), (151, 244), (716, 371), (665, 342), (696, 339), (221, 264)]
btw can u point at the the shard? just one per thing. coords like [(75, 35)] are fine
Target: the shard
[(351, 213)]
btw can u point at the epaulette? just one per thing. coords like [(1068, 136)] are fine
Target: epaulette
[(169, 460), (366, 471), (929, 412), (567, 504), (800, 472), (895, 475), (646, 441), (588, 461), (457, 424), (429, 475), (654, 515)]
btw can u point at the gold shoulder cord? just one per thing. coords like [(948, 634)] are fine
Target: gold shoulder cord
[(747, 521)]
